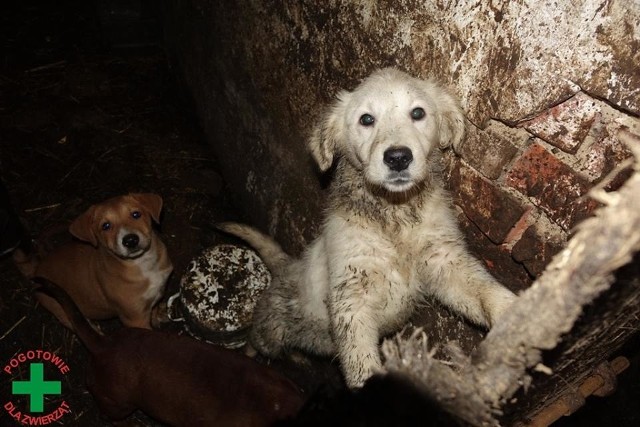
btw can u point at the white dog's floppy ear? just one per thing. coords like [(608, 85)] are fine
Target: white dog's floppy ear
[(326, 135), (449, 117), (451, 128)]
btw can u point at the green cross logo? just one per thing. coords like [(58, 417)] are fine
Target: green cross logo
[(36, 387)]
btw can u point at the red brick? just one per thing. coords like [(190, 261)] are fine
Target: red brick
[(552, 186), (566, 125), (605, 153), (535, 249), (520, 227), (497, 258), (487, 151), (491, 208)]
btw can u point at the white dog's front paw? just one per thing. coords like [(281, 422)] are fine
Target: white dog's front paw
[(358, 370), (499, 303)]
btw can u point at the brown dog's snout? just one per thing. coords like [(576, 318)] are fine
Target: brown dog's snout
[(131, 241), (397, 158)]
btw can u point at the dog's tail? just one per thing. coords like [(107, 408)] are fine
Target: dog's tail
[(270, 251), (91, 339)]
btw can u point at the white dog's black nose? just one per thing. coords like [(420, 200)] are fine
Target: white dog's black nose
[(397, 159), (130, 241)]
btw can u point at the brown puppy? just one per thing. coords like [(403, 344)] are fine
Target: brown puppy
[(176, 379), (120, 266)]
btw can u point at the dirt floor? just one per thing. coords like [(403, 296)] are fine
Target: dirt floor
[(89, 109), (84, 118)]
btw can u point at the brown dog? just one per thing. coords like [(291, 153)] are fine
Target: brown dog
[(120, 266), (176, 379)]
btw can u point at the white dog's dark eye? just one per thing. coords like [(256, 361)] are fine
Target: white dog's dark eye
[(367, 120), (106, 226), (418, 113), (136, 214)]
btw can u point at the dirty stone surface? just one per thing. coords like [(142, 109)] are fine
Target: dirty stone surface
[(506, 60)]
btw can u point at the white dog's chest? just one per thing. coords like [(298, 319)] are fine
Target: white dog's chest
[(378, 272), (155, 274), (403, 288)]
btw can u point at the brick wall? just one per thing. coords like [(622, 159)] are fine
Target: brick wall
[(522, 187)]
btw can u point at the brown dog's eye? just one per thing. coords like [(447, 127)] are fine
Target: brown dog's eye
[(367, 120), (136, 214), (418, 113), (106, 226)]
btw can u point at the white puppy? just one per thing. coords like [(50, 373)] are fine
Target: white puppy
[(390, 236)]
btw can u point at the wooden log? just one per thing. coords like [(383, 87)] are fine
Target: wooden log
[(476, 389)]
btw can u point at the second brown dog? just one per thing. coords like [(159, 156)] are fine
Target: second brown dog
[(118, 267), (176, 379)]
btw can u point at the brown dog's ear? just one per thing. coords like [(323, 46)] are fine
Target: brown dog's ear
[(325, 137), (82, 228), (151, 202)]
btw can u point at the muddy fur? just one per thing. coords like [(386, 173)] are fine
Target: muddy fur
[(390, 236)]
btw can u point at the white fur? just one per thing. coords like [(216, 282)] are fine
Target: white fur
[(385, 243)]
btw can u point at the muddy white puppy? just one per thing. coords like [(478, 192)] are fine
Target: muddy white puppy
[(390, 236)]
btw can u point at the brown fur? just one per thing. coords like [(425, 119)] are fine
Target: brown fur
[(103, 275), (176, 379)]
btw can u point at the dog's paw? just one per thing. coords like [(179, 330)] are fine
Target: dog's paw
[(250, 351), (159, 315), (300, 358), (500, 301)]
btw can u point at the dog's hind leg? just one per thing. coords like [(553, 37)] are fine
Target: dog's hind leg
[(279, 324), (270, 321), (311, 335)]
